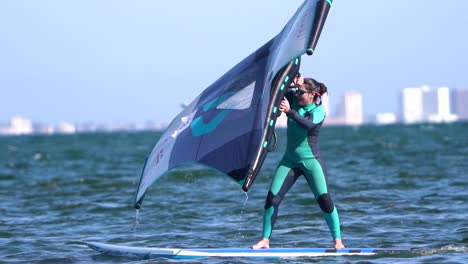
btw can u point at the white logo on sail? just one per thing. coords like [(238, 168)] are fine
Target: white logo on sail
[(185, 121)]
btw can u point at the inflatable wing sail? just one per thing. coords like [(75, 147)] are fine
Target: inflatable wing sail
[(229, 125)]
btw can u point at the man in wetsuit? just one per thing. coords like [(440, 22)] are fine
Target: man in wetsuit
[(302, 157)]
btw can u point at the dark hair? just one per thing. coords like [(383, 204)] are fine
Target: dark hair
[(313, 85)]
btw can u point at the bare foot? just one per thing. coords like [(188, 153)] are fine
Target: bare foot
[(264, 243), (338, 244)]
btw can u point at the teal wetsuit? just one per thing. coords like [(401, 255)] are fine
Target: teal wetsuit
[(302, 157)]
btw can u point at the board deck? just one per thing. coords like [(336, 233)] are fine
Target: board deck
[(190, 253)]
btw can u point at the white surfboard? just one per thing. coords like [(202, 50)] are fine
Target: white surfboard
[(190, 253)]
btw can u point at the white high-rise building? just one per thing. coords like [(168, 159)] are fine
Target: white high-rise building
[(18, 126), (385, 118), (411, 105), (459, 105), (350, 112), (442, 113), (65, 128), (426, 104)]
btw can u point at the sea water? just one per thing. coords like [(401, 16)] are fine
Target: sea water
[(394, 186)]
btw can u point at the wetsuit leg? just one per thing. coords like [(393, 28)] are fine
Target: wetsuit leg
[(317, 180), (284, 178)]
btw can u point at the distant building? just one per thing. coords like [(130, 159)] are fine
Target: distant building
[(385, 118), (17, 126), (459, 103), (411, 105), (65, 128), (425, 104), (349, 111), (354, 110)]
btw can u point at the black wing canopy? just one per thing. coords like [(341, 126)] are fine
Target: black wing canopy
[(229, 125)]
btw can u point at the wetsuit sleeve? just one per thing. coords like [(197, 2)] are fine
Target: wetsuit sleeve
[(308, 122), (289, 96)]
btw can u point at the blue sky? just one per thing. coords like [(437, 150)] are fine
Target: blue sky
[(135, 61)]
